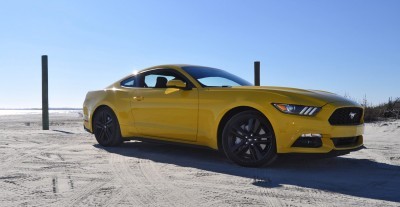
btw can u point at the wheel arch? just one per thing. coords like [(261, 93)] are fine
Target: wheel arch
[(229, 114), (97, 109)]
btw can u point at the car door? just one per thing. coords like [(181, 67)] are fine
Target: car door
[(162, 112)]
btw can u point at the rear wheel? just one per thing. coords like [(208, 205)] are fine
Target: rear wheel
[(249, 140), (106, 128)]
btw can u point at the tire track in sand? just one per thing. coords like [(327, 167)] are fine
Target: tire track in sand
[(261, 179), (132, 189), (79, 195), (16, 160), (175, 195)]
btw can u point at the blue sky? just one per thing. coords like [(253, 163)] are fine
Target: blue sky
[(345, 46)]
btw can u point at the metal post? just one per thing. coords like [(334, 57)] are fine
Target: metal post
[(257, 73), (45, 93)]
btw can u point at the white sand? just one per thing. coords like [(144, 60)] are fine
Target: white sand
[(68, 168)]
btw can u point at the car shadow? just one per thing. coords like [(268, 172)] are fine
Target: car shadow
[(356, 177)]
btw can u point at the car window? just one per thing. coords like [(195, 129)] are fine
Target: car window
[(129, 82), (157, 81), (212, 77), (217, 81), (159, 78)]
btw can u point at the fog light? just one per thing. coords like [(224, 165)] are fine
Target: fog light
[(308, 140), (311, 135)]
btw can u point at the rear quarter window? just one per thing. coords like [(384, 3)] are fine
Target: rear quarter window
[(129, 82)]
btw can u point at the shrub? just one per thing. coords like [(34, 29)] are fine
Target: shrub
[(390, 109)]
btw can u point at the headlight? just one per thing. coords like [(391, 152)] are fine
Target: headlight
[(297, 109)]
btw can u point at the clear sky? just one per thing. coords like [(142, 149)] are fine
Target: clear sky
[(343, 46)]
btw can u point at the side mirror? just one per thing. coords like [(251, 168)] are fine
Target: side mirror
[(176, 84)]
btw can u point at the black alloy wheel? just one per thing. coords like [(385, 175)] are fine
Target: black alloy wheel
[(248, 139), (106, 128)]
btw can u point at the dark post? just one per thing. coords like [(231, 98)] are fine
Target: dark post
[(257, 73), (45, 93)]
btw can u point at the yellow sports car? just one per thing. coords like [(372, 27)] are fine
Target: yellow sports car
[(209, 107)]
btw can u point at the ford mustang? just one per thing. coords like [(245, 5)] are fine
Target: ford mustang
[(210, 107)]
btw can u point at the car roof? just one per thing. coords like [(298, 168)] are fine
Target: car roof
[(161, 67), (166, 66)]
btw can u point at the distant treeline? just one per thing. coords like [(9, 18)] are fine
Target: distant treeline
[(390, 109)]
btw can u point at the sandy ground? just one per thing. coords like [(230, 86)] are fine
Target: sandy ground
[(66, 167)]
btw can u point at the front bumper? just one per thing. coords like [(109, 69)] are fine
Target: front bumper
[(332, 153), (291, 127), (86, 129)]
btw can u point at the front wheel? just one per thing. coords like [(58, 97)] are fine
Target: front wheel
[(106, 128), (248, 139)]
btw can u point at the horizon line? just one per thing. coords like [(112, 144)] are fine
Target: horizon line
[(52, 108)]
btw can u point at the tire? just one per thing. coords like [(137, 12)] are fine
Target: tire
[(248, 139), (106, 128)]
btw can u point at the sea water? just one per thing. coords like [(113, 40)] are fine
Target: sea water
[(37, 111)]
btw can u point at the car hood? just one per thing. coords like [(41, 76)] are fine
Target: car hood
[(316, 97)]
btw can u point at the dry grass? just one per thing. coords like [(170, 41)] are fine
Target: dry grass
[(388, 110)]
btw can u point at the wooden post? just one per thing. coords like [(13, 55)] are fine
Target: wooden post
[(45, 93), (257, 73)]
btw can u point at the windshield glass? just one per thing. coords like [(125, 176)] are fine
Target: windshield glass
[(212, 77)]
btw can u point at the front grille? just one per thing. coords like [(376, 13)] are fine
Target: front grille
[(345, 141), (346, 116)]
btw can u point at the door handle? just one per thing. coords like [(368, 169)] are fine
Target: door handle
[(138, 98)]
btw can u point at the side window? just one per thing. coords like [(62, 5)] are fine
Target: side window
[(159, 78), (129, 82), (157, 81), (217, 81)]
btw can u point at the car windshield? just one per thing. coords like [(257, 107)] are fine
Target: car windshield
[(212, 77)]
